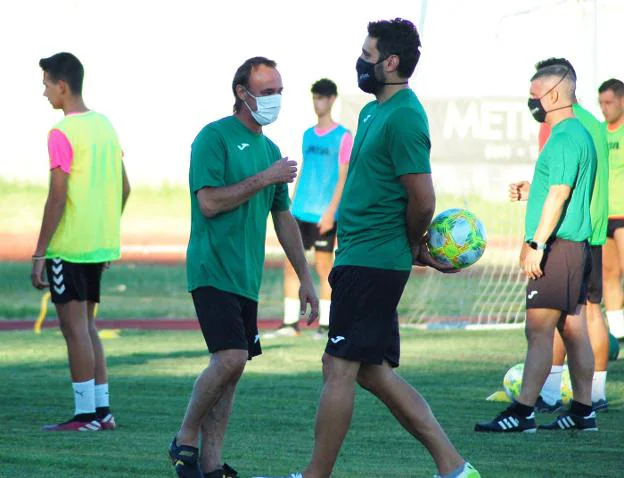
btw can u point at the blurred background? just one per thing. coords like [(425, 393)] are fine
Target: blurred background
[(161, 70)]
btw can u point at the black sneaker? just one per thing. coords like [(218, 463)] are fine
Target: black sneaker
[(601, 405), (541, 406), (508, 422), (226, 471), (184, 459), (568, 421)]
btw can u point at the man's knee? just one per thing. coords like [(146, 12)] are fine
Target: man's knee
[(230, 363), (339, 369)]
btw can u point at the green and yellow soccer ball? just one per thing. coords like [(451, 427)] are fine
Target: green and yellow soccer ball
[(512, 383), (456, 237)]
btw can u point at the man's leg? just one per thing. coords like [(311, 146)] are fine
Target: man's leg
[(73, 323), (412, 411), (551, 391), (225, 369), (102, 397), (613, 296), (539, 330), (213, 430), (580, 356), (599, 339), (323, 263), (334, 414)]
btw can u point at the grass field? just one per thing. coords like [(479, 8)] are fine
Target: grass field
[(271, 428), (135, 291)]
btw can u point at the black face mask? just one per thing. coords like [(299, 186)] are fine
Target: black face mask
[(367, 80), (537, 109)]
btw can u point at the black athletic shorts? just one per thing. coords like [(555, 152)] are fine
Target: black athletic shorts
[(613, 224), (312, 238), (228, 321), (74, 281), (594, 281), (363, 319), (566, 267)]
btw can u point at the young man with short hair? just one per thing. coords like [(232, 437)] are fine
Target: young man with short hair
[(80, 233), (326, 151)]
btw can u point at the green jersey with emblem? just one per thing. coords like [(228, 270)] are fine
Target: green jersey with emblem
[(569, 157), (615, 140), (392, 140), (227, 251)]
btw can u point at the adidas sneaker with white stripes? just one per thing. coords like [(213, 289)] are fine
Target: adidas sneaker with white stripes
[(569, 421), (508, 422)]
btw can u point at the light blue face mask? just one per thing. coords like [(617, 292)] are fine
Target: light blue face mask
[(268, 108)]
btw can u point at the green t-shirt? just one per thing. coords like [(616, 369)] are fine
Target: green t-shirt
[(616, 172), (569, 157), (392, 140), (227, 250), (599, 206)]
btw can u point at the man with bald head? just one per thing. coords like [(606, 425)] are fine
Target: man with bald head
[(236, 178), (555, 257)]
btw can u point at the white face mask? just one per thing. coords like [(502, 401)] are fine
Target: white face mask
[(268, 108)]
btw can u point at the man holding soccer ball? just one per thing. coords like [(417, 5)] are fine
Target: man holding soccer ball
[(386, 208)]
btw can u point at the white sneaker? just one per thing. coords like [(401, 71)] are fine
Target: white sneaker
[(283, 331), (469, 471)]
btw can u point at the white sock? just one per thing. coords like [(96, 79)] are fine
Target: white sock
[(84, 396), (292, 311), (598, 386), (101, 396), (551, 391), (616, 322), (324, 306)]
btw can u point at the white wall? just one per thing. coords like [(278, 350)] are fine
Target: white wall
[(162, 69)]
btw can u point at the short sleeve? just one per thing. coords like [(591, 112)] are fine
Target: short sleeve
[(346, 145), (564, 159), (409, 146), (208, 157), (281, 199), (60, 151)]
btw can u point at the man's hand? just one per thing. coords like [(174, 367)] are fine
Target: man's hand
[(519, 191), (327, 222), (38, 271), (422, 257), (531, 263), (307, 295), (282, 171)]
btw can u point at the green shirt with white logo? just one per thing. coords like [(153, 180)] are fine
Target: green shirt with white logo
[(227, 250), (569, 157), (392, 140)]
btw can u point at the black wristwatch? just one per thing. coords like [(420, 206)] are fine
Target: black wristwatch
[(538, 246)]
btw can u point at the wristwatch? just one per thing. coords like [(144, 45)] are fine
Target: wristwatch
[(538, 246)]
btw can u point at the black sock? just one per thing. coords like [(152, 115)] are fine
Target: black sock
[(85, 417), (521, 409), (101, 412), (218, 473), (577, 408)]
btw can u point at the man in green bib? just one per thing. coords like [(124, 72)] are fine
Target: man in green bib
[(611, 95), (237, 177), (555, 257), (80, 233)]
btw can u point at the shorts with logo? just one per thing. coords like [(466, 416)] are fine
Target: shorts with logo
[(228, 321), (73, 280), (566, 268), (613, 224), (594, 282), (363, 319), (312, 238)]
